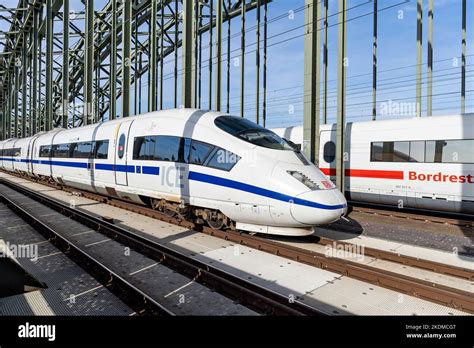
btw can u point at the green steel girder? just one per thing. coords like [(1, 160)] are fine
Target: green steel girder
[(143, 16), (49, 93)]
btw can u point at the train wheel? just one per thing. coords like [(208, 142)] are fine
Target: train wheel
[(167, 212), (216, 224), (160, 205)]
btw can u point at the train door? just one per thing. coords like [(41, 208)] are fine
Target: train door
[(29, 156), (15, 156), (121, 146), (327, 153)]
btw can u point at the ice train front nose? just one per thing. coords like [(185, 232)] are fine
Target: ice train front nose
[(318, 207)]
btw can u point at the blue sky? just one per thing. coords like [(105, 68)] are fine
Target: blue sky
[(396, 60)]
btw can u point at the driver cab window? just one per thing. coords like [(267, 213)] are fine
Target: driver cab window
[(251, 132)]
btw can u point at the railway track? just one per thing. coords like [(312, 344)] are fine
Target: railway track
[(253, 296), (118, 285), (409, 285)]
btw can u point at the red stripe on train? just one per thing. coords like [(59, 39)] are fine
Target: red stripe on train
[(367, 173)]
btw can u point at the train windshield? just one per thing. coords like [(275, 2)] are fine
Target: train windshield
[(251, 132)]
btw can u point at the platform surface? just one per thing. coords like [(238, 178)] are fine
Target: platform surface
[(70, 290)]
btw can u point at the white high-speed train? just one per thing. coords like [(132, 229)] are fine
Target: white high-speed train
[(422, 162), (217, 168)]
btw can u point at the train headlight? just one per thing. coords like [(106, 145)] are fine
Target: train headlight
[(304, 179)]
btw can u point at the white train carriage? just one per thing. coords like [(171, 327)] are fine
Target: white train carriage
[(423, 162), (9, 154), (217, 168)]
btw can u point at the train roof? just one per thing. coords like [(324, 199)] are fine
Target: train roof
[(181, 113), (432, 120), (407, 122), (461, 122)]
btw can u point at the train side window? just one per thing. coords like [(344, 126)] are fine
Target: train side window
[(434, 151), (417, 151), (186, 149), (82, 150), (121, 146), (376, 152), (139, 148), (156, 151), (329, 153), (168, 148), (11, 152), (16, 152), (72, 149), (430, 151), (45, 151), (101, 149), (458, 151), (401, 151), (199, 152), (144, 148), (150, 142), (387, 152), (223, 159), (60, 151)]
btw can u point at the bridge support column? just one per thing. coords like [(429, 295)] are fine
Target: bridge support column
[(312, 58), (189, 62), (341, 96)]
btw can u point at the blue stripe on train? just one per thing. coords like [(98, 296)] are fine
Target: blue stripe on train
[(150, 170), (49, 162), (195, 176), (115, 167), (215, 180)]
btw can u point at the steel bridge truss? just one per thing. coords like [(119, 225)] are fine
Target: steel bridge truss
[(60, 70)]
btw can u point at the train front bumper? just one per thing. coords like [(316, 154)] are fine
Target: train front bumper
[(318, 207)]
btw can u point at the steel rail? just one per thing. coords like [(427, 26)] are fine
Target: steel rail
[(119, 286)]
